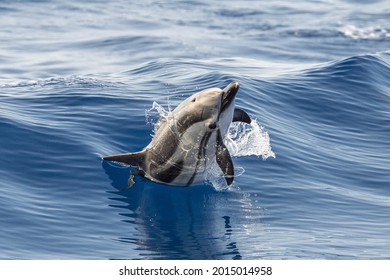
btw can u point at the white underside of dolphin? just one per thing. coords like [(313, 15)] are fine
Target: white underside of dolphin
[(190, 140)]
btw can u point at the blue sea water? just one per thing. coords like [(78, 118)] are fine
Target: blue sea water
[(78, 80)]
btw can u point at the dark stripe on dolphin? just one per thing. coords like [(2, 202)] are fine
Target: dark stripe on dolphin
[(201, 154), (187, 122), (165, 147), (169, 173)]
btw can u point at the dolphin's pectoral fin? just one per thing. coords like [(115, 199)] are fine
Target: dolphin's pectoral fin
[(134, 159), (224, 160), (241, 116)]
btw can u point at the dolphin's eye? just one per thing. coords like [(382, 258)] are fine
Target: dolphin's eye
[(193, 100), (213, 126)]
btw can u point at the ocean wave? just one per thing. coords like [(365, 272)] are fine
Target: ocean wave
[(327, 123)]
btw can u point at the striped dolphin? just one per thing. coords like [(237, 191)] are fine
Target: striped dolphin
[(190, 139)]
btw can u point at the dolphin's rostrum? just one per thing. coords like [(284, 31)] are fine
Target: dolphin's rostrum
[(190, 139)]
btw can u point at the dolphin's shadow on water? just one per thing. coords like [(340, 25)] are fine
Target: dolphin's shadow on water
[(172, 222)]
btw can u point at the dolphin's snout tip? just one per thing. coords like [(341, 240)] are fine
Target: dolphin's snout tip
[(232, 88)]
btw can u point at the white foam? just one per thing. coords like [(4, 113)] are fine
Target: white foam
[(248, 139), (368, 32)]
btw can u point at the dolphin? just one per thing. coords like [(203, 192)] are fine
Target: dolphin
[(190, 139)]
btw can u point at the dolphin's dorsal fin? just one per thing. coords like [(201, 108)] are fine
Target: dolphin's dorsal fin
[(224, 160), (241, 116), (134, 159)]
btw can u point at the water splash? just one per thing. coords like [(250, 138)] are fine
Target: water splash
[(216, 178), (155, 115), (242, 140), (248, 139)]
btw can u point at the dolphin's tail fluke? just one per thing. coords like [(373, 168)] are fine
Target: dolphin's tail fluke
[(134, 159)]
